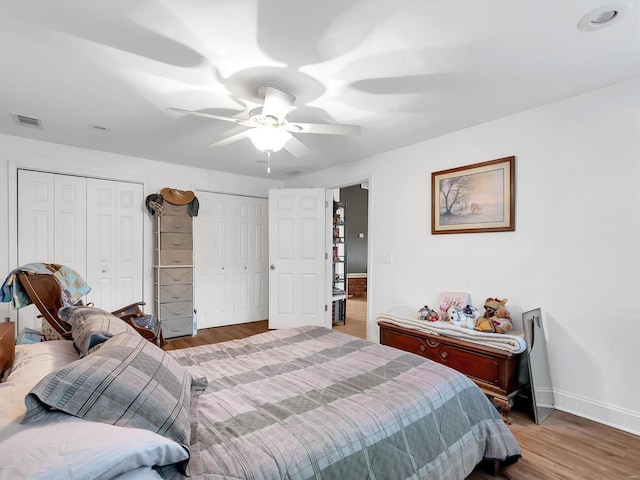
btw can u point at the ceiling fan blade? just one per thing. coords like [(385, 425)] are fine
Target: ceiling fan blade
[(276, 102), (325, 128), (209, 115), (296, 148), (231, 139)]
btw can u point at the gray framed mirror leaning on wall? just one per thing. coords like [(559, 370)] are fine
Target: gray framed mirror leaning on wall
[(538, 361)]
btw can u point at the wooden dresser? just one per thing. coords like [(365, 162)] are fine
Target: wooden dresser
[(494, 371)]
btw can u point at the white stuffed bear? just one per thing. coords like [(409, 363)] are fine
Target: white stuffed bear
[(457, 316)]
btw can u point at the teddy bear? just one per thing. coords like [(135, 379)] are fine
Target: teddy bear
[(484, 323), (501, 320)]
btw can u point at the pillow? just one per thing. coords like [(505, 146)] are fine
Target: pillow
[(128, 382), (63, 447), (91, 326), (31, 363)]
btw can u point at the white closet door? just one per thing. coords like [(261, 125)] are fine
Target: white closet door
[(51, 225), (71, 222), (115, 247), (251, 300), (230, 250), (215, 266), (36, 218)]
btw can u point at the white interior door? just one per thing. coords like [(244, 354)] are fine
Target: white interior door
[(299, 242)]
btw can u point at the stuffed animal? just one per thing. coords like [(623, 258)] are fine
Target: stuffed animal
[(427, 313), (457, 316), (501, 320), (484, 323), (472, 315), (442, 315)]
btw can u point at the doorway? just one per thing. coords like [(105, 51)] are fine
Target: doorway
[(356, 238)]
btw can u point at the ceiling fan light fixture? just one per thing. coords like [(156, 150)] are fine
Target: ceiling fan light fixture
[(268, 138)]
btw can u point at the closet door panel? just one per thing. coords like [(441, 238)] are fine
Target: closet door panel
[(71, 222), (114, 250), (51, 225), (36, 200)]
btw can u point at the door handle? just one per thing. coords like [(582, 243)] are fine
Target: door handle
[(272, 267)]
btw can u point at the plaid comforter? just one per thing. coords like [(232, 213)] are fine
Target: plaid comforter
[(312, 403)]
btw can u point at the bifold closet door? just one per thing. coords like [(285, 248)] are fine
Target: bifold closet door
[(230, 251), (115, 247), (88, 224), (51, 226)]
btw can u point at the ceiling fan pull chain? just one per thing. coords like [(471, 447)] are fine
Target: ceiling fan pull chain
[(268, 161)]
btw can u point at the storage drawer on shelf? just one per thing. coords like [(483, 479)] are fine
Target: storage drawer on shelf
[(167, 258), (177, 327), (171, 209), (175, 293), (174, 224), (173, 276), (176, 241), (169, 311)]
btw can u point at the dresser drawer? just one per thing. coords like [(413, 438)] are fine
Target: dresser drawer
[(176, 241), (169, 311), (173, 276), (171, 209), (408, 343), (174, 224), (175, 293), (473, 364), (168, 258), (177, 327)]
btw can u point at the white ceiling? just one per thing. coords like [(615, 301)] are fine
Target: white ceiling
[(406, 71)]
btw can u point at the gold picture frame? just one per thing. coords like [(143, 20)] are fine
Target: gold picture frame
[(475, 198)]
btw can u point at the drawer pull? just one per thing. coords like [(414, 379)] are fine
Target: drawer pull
[(433, 343), (422, 348), (444, 355)]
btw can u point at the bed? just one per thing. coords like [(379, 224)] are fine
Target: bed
[(295, 403)]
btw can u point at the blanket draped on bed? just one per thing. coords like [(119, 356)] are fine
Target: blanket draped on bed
[(312, 403)]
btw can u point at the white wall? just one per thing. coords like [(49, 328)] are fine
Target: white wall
[(574, 252), (17, 153)]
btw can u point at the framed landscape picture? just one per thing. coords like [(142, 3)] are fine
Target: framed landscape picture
[(474, 198)]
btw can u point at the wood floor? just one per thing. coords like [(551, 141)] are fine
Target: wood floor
[(564, 447)]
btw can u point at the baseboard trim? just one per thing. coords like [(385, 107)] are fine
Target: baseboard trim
[(601, 412)]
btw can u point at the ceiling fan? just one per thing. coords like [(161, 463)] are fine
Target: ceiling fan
[(269, 128)]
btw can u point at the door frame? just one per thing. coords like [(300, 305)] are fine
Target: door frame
[(349, 183)]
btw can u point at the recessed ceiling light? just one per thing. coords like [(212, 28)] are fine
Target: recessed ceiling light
[(605, 15)]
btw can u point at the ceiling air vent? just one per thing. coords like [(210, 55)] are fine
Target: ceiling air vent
[(27, 121)]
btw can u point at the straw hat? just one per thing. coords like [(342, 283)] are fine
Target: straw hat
[(177, 197)]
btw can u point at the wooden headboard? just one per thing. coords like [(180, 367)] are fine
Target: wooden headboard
[(7, 345)]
